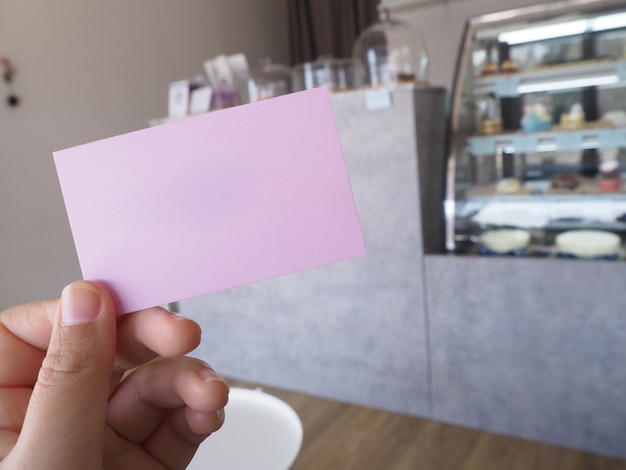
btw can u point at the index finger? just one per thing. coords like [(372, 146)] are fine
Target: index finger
[(25, 334), (31, 323), (147, 334)]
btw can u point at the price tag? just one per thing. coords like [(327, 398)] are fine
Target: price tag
[(526, 143), (506, 87), (178, 103), (201, 100), (612, 138), (572, 140), (481, 146), (620, 70), (379, 98)]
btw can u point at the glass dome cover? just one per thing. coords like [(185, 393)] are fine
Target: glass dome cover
[(392, 51), (269, 81)]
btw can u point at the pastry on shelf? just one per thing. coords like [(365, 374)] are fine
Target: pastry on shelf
[(489, 69), (536, 118), (569, 181), (588, 243), (614, 118), (509, 66), (503, 241), (508, 186), (491, 126), (575, 119), (610, 176)]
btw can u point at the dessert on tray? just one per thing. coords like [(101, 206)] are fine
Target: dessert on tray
[(610, 176), (588, 243), (575, 119), (536, 118), (506, 240)]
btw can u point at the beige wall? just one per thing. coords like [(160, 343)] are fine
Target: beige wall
[(89, 70)]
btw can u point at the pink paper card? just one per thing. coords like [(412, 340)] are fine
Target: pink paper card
[(211, 202)]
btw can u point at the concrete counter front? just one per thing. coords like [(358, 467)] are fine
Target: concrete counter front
[(530, 347), (526, 347)]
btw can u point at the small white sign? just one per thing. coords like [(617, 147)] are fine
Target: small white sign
[(201, 100), (378, 98), (178, 103)]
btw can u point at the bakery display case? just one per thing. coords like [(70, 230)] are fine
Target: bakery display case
[(538, 134)]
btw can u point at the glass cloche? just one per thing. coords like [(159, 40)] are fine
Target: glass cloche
[(392, 51), (269, 81)]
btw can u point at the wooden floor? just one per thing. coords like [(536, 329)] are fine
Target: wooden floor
[(347, 437)]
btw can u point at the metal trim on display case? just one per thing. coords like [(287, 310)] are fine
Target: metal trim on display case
[(533, 12)]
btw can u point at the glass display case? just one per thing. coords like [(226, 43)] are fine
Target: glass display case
[(538, 133)]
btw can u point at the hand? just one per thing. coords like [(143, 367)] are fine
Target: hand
[(66, 403)]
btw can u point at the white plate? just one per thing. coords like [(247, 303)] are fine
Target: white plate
[(261, 432)]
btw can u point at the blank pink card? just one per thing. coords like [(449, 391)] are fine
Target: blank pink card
[(211, 202)]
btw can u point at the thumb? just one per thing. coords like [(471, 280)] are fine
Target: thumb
[(65, 420)]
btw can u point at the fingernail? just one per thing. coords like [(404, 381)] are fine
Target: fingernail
[(177, 317), (209, 375), (221, 415), (80, 303)]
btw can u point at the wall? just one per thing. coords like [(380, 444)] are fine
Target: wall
[(89, 70)]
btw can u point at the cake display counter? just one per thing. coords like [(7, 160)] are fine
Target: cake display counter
[(538, 141), (517, 345)]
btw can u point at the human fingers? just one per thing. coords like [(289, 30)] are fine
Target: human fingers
[(64, 423), (20, 361), (24, 336), (174, 442), (171, 446), (142, 336), (31, 323), (142, 399), (13, 404), (168, 406), (147, 334)]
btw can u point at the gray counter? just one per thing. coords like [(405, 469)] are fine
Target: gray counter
[(530, 347), (525, 347)]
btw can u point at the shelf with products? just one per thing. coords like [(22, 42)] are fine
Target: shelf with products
[(550, 78), (553, 140), (538, 141)]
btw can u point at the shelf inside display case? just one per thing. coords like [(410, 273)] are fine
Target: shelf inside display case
[(538, 141), (540, 223), (555, 140), (550, 78)]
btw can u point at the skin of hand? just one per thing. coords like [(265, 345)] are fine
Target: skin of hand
[(67, 400)]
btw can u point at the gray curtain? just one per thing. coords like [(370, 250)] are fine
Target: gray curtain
[(327, 27)]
